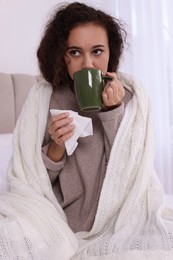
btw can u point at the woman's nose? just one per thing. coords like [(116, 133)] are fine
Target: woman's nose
[(87, 62)]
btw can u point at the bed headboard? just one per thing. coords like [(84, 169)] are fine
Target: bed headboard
[(13, 92)]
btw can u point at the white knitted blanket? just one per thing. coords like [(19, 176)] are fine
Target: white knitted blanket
[(131, 221)]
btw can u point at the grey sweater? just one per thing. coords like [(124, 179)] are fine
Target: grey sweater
[(77, 179)]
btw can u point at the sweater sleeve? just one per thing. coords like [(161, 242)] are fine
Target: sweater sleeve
[(52, 167), (111, 121)]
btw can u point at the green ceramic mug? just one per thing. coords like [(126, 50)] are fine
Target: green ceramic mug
[(89, 85)]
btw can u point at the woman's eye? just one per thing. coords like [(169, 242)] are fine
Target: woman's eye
[(74, 53), (97, 52)]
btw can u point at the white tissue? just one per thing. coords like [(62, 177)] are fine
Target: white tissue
[(83, 127)]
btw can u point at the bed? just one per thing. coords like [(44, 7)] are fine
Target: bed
[(13, 92)]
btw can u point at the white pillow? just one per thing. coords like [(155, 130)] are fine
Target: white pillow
[(5, 155)]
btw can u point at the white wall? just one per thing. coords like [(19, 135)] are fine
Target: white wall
[(21, 24)]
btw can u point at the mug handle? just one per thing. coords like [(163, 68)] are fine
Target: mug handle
[(107, 78)]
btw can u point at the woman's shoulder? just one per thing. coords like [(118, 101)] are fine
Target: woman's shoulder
[(133, 85), (41, 89), (42, 83), (128, 79), (40, 86)]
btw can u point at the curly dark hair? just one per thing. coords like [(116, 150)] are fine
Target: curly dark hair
[(53, 45)]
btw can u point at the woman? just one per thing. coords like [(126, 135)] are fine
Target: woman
[(87, 39), (106, 201)]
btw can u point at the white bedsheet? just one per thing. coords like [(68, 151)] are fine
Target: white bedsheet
[(5, 155)]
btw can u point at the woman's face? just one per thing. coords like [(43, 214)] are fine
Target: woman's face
[(87, 47)]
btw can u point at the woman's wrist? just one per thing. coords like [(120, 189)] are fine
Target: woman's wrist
[(55, 152), (108, 108)]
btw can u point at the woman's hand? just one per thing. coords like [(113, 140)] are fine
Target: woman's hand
[(60, 129), (113, 92)]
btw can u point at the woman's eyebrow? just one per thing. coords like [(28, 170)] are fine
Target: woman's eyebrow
[(73, 47), (98, 46), (79, 48)]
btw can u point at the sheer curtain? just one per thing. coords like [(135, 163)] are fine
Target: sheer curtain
[(149, 57)]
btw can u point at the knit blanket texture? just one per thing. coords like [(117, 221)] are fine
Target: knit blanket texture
[(131, 222)]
